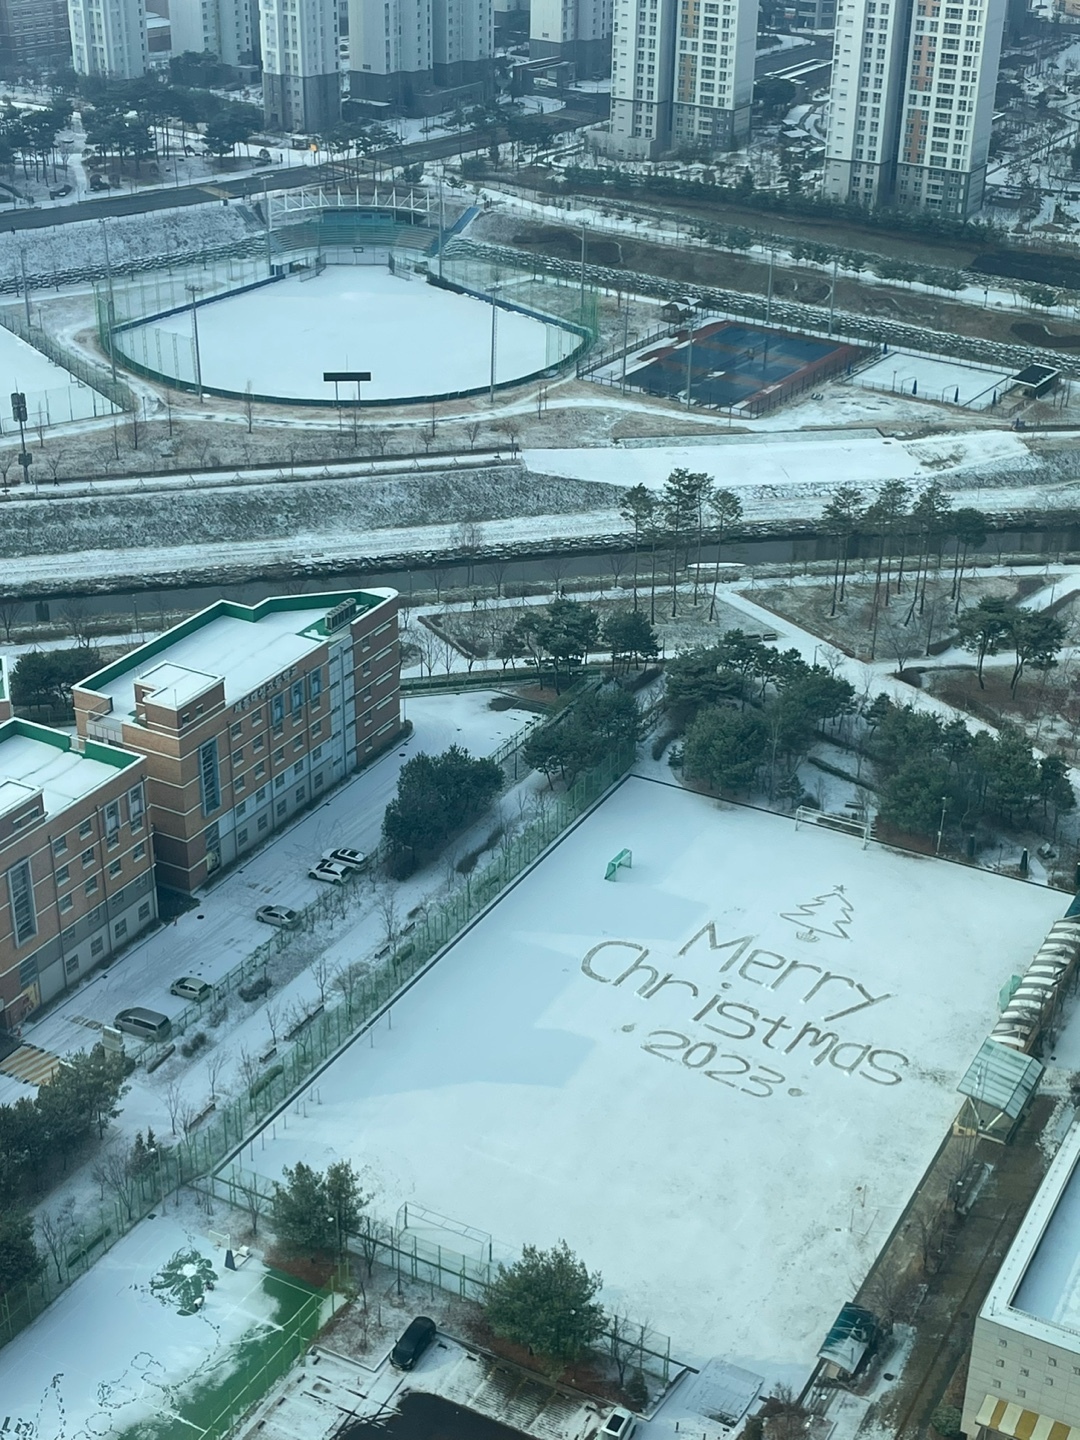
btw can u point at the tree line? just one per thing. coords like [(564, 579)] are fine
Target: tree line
[(437, 796)]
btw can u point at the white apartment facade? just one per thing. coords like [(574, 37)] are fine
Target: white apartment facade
[(108, 37), (222, 27), (421, 56), (301, 85), (912, 101), (1024, 1373), (682, 76), (575, 30)]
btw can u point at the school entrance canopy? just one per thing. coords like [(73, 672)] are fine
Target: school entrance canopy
[(997, 1086)]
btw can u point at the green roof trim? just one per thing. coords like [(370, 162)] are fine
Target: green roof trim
[(31, 730), (274, 604), (109, 755)]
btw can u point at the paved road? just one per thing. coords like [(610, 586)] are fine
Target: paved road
[(214, 188)]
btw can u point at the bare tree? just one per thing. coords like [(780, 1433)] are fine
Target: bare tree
[(249, 1067), (248, 1187), (53, 461), (273, 1019), (427, 644), (497, 570), (190, 1113), (10, 611), (215, 1063), (249, 406), (57, 1229), (76, 615), (388, 911), (348, 981), (322, 971), (902, 641), (113, 1173), (174, 1102), (472, 432)]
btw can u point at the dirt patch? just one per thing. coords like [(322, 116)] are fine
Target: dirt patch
[(567, 245), (1032, 334), (1036, 266), (312, 1270)]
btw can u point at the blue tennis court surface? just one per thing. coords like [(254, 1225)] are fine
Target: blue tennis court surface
[(730, 364)]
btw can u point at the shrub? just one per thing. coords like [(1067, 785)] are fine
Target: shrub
[(193, 1045), (946, 1421), (255, 988)]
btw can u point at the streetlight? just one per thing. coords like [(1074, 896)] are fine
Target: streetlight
[(941, 824), (494, 341), (194, 290), (336, 377)]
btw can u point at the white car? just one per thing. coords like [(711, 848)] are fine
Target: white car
[(353, 859), (619, 1425), (332, 871), (279, 915)]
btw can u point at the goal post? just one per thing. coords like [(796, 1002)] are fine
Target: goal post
[(860, 823), (624, 857)]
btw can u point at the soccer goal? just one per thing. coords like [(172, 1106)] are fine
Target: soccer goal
[(624, 857), (859, 823), (219, 1239)]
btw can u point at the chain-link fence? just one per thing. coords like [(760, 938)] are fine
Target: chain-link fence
[(629, 1344), (314, 1037)]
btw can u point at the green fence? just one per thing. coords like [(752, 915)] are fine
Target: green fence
[(362, 999)]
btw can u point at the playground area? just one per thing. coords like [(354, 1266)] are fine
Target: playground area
[(729, 365), (712, 1050)]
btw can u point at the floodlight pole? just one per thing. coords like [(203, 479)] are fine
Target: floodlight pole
[(196, 290), (112, 301), (25, 286), (941, 824), (494, 339), (689, 357), (768, 298), (442, 223), (582, 301)]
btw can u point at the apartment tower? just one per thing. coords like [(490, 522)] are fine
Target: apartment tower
[(578, 31), (223, 27), (108, 37), (912, 102), (421, 56), (682, 76), (301, 85)]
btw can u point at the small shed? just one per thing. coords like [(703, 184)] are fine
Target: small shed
[(1035, 380), (997, 1086), (850, 1344)]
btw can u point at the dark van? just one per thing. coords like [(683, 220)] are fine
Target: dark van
[(413, 1343)]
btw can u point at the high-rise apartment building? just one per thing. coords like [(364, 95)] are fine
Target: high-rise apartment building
[(682, 76), (575, 30), (301, 84), (421, 56), (912, 101), (108, 37), (32, 33), (223, 27)]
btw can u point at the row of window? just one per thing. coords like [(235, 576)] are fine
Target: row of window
[(136, 807), (20, 885)]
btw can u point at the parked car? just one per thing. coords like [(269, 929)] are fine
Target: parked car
[(413, 1342), (279, 915), (189, 987), (354, 859), (332, 871), (98, 182), (60, 192), (146, 1024), (264, 154), (619, 1425)]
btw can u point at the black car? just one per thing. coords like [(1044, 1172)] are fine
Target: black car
[(413, 1343)]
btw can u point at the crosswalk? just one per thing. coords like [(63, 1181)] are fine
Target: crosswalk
[(28, 1063)]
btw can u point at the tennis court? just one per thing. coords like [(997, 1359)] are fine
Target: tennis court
[(731, 365)]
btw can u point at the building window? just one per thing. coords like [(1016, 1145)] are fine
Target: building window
[(315, 687), (66, 903), (144, 910), (139, 851), (262, 823), (112, 822), (91, 885), (237, 729), (279, 781), (298, 744), (120, 929), (115, 866), (63, 874), (85, 829), (87, 858), (298, 697), (318, 782), (71, 964), (96, 946), (257, 743), (208, 776), (136, 807), (299, 794), (281, 807), (238, 756), (279, 755), (277, 710), (60, 846)]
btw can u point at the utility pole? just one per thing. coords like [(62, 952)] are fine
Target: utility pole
[(193, 291), (768, 298), (832, 296), (25, 286), (442, 221), (689, 356), (18, 412), (581, 314), (494, 342), (112, 301)]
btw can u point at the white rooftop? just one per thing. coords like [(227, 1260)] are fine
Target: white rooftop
[(1037, 1289), (64, 776), (244, 653)]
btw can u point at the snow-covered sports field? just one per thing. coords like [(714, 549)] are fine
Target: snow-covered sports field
[(52, 394), (414, 338), (718, 1077)]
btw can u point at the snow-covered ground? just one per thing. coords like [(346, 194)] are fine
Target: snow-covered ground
[(792, 460), (112, 1354), (413, 338), (976, 387), (53, 395), (717, 1078)]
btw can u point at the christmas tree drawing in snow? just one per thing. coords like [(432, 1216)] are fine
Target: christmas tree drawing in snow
[(829, 914)]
